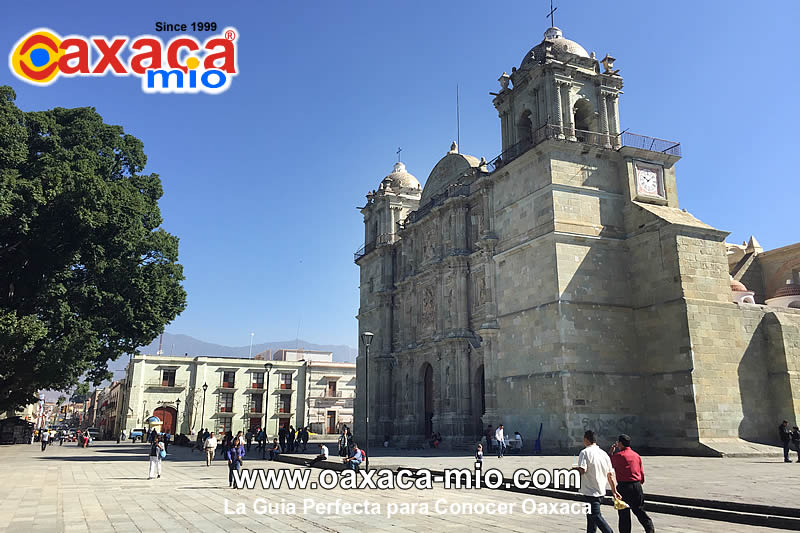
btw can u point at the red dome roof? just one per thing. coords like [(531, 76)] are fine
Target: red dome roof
[(790, 289), (738, 286)]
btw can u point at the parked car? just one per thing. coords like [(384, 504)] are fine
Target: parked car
[(94, 433), (137, 433)]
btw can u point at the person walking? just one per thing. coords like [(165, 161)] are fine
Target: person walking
[(261, 438), (628, 471), (304, 437), (323, 455), (479, 454), (786, 437), (248, 437), (290, 437), (235, 456), (501, 441), (796, 441), (45, 438), (489, 435), (210, 447), (596, 473), (157, 452), (282, 437)]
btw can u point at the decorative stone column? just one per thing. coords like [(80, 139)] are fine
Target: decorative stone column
[(613, 119), (569, 122), (557, 109), (604, 120)]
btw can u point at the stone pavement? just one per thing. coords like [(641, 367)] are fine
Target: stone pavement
[(761, 480), (104, 488)]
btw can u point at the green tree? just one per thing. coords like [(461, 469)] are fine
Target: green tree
[(80, 393), (86, 272)]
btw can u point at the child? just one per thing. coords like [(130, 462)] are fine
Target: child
[(479, 454)]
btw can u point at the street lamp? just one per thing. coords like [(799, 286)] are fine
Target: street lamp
[(267, 370), (177, 416), (366, 338), (203, 415)]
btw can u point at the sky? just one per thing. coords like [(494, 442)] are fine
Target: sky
[(262, 182)]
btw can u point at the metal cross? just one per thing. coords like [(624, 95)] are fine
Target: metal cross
[(398, 153), (552, 15)]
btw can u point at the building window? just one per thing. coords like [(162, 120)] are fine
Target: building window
[(225, 424), (332, 389), (167, 378), (285, 404), (228, 380), (226, 402), (286, 381), (258, 380), (256, 403)]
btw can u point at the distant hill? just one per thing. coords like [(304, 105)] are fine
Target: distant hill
[(177, 345)]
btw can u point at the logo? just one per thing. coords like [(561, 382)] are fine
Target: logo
[(183, 65)]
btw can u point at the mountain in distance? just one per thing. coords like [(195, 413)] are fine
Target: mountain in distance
[(178, 345)]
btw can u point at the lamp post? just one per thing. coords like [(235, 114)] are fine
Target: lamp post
[(267, 370), (366, 338), (203, 415), (177, 416)]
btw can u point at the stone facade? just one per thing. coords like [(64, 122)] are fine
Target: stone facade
[(561, 286), (240, 394)]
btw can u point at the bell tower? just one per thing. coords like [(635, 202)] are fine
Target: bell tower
[(559, 91)]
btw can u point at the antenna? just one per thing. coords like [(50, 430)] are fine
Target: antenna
[(552, 15), (458, 121)]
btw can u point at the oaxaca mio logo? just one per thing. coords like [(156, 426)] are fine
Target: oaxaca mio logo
[(183, 65)]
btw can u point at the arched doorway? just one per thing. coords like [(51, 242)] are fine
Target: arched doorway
[(427, 398), (169, 417), (525, 129), (583, 114)]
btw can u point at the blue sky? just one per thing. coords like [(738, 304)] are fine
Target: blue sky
[(261, 183)]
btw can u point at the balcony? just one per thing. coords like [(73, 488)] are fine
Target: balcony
[(166, 386), (228, 385), (380, 240), (253, 411), (609, 141), (256, 387)]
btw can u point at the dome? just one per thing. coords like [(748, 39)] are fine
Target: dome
[(737, 286), (401, 178), (790, 289), (561, 47)]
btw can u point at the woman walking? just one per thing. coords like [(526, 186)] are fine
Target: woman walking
[(157, 452), (235, 456)]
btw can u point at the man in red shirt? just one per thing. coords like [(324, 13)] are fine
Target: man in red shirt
[(630, 478)]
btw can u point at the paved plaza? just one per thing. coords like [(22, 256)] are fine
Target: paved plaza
[(104, 488)]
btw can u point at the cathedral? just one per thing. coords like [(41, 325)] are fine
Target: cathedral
[(559, 287)]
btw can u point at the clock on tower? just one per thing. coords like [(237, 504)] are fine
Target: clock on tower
[(649, 181)]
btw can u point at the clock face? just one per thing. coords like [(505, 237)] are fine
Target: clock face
[(647, 181)]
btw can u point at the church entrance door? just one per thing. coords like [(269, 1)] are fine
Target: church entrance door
[(427, 381), (168, 416)]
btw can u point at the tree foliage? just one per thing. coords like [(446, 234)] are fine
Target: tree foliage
[(86, 272)]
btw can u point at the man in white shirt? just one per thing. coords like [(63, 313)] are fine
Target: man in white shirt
[(210, 446), (596, 474), (501, 441), (323, 455)]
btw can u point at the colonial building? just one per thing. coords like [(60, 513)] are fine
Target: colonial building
[(232, 394), (560, 286)]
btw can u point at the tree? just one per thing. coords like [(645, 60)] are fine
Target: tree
[(80, 393), (86, 271)]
